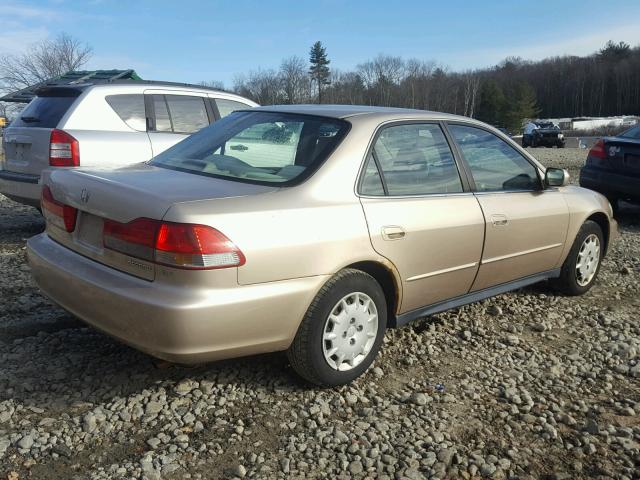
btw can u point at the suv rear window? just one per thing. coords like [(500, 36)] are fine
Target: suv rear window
[(257, 147), (44, 112)]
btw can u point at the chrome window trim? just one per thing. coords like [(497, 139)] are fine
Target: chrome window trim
[(418, 195)]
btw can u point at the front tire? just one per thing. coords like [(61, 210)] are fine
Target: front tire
[(342, 330), (581, 267)]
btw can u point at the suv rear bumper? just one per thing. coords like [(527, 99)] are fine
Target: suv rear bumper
[(174, 322), (610, 184), (21, 187)]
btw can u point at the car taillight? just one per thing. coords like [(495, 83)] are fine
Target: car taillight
[(598, 151), (64, 150), (57, 213), (179, 245), (136, 238)]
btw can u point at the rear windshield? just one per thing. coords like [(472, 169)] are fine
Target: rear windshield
[(632, 133), (257, 147), (44, 112)]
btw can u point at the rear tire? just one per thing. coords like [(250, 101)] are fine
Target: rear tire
[(580, 268), (338, 338)]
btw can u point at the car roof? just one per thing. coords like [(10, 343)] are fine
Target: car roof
[(346, 111), (158, 84), (135, 86), (131, 83)]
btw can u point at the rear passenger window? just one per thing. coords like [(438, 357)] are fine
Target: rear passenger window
[(130, 108), (225, 107), (371, 180), (188, 114), (415, 160)]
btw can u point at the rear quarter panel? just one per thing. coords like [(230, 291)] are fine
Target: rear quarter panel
[(315, 228), (283, 235)]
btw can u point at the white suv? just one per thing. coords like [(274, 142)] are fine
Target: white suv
[(106, 124)]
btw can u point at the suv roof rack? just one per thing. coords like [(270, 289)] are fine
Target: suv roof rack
[(86, 78), (168, 84), (72, 78)]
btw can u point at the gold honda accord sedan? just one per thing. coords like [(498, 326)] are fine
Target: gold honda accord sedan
[(310, 229)]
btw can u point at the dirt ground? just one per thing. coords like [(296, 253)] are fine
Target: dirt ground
[(529, 384)]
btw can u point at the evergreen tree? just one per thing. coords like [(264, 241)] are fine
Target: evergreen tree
[(522, 105), (319, 71), (492, 104)]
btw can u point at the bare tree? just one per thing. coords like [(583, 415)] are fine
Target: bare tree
[(217, 84), (43, 61), (383, 74), (471, 86), (295, 80), (263, 86)]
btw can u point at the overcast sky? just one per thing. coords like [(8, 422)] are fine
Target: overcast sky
[(190, 41)]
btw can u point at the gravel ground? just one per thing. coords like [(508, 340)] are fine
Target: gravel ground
[(525, 385)]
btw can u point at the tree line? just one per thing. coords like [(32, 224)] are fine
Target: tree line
[(602, 84)]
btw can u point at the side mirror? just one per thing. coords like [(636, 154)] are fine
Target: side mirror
[(556, 177)]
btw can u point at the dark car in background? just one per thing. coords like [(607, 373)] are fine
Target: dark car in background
[(613, 167), (546, 135)]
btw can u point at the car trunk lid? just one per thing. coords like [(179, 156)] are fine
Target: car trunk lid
[(623, 155), (124, 195)]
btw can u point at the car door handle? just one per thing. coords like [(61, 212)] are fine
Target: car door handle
[(499, 220), (392, 232)]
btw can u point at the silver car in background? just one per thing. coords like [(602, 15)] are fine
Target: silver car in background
[(103, 125)]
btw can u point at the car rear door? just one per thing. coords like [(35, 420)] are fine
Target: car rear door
[(26, 140), (420, 215), (526, 225), (174, 115)]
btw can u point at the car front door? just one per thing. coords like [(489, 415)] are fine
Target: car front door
[(173, 116), (526, 224), (420, 215)]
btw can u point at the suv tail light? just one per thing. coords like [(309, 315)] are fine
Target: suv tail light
[(57, 213), (179, 245), (598, 151), (64, 150)]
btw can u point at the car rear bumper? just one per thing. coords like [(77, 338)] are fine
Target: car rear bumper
[(21, 187), (547, 141), (176, 323), (610, 184)]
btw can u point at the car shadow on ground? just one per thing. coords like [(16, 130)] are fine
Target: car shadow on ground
[(72, 366), (628, 215)]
